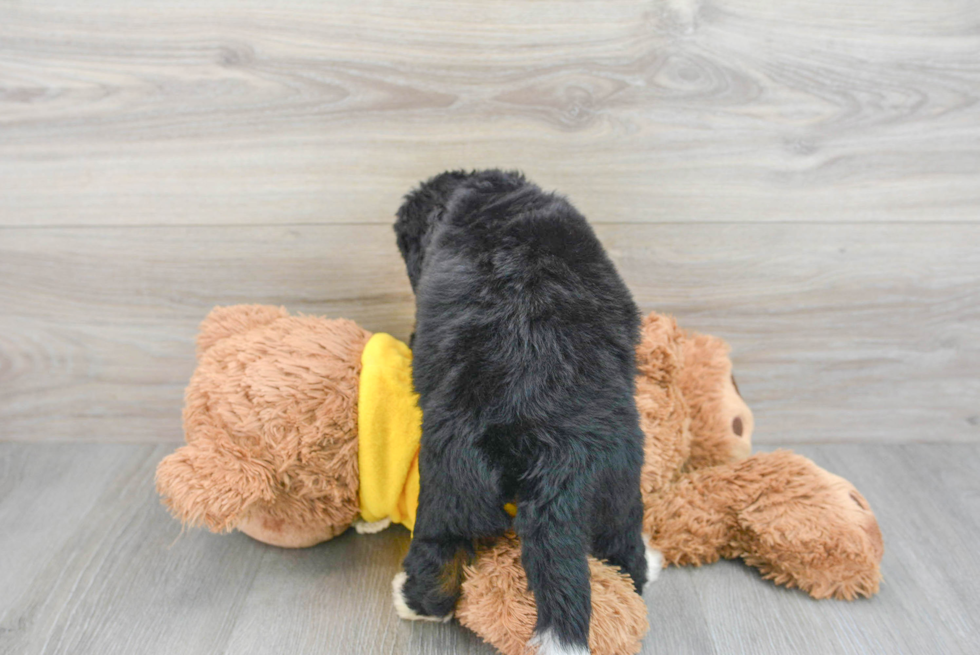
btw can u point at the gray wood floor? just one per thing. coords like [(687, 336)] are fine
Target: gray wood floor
[(90, 563)]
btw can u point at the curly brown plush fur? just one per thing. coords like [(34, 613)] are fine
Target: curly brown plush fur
[(798, 524), (270, 420)]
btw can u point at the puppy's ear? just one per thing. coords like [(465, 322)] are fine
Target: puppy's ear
[(421, 209), (410, 245), (212, 483)]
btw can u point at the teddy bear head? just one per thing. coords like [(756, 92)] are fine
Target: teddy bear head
[(690, 409), (721, 423)]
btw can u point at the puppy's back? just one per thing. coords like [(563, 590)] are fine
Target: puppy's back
[(521, 315)]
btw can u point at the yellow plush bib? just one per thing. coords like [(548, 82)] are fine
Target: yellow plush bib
[(389, 428)]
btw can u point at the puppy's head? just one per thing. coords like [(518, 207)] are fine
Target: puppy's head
[(425, 206), (422, 208)]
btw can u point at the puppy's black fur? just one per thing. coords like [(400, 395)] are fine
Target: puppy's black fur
[(524, 364)]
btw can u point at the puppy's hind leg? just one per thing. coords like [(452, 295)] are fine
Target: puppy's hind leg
[(458, 503), (551, 520), (433, 589), (617, 529)]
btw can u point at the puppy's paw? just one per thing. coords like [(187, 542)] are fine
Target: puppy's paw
[(655, 559), (655, 563), (546, 643), (363, 527), (401, 604)]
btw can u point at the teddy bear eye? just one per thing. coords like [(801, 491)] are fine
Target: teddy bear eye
[(737, 426)]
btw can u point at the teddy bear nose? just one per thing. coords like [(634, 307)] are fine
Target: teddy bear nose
[(737, 426)]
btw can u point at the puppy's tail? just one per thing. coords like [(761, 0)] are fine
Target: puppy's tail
[(554, 550)]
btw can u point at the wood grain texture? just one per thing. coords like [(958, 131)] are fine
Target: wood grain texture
[(802, 179), (840, 332), (92, 564), (218, 112), (99, 324)]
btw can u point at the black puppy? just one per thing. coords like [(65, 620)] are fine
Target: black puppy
[(524, 365)]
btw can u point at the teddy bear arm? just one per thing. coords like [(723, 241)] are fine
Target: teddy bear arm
[(691, 521), (805, 527)]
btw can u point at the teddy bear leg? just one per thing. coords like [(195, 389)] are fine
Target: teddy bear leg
[(721, 422), (782, 514), (453, 510), (694, 519), (497, 605), (689, 522)]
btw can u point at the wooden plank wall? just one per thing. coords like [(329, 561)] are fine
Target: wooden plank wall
[(800, 178)]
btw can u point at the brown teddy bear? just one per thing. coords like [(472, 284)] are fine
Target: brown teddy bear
[(298, 427), (705, 497)]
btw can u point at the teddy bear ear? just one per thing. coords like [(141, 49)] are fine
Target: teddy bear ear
[(213, 483), (706, 364), (659, 355), (223, 322)]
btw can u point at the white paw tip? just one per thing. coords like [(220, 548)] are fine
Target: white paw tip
[(547, 644), (402, 608), (655, 563), (363, 527)]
